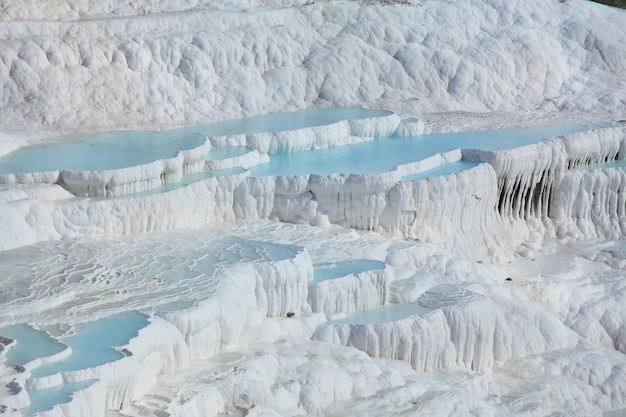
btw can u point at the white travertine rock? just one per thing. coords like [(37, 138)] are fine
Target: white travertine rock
[(339, 133), (462, 329), (246, 161), (543, 343), (355, 292)]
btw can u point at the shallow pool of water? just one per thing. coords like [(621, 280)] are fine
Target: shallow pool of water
[(384, 155), (31, 344), (277, 252), (93, 343), (280, 122), (618, 245), (46, 399), (105, 151), (342, 269)]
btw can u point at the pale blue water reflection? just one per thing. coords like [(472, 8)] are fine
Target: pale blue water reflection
[(31, 344), (281, 122), (121, 149), (105, 151), (618, 163), (384, 155), (342, 269), (93, 343), (276, 251), (46, 399)]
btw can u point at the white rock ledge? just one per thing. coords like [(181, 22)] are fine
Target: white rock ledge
[(340, 133), (463, 329), (354, 292), (246, 161)]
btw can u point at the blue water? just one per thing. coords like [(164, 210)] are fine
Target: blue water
[(93, 342), (441, 170), (277, 252), (387, 313), (342, 269), (46, 399), (110, 150), (91, 346), (384, 155), (121, 149), (31, 344), (618, 246), (114, 150), (281, 122), (620, 163)]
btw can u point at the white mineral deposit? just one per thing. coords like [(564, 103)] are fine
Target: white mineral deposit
[(312, 208)]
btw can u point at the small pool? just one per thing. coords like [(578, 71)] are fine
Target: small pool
[(342, 269), (106, 151), (618, 246), (46, 399), (31, 344), (276, 251), (93, 343), (387, 313), (280, 122), (384, 155)]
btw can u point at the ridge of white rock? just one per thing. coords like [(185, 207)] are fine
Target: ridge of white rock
[(592, 203), (545, 181)]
